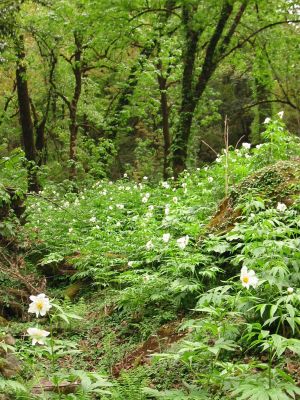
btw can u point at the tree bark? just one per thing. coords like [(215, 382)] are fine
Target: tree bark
[(73, 127), (162, 82), (25, 115)]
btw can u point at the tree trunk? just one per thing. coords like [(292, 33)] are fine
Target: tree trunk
[(73, 127), (162, 82), (25, 116), (193, 87), (187, 96)]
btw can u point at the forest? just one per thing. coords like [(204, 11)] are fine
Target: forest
[(150, 199)]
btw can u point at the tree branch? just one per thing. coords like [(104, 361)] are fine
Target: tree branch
[(243, 42)]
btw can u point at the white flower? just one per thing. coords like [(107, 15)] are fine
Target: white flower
[(246, 145), (167, 209), (37, 335), (290, 290), (149, 245), (197, 169), (130, 263), (125, 175), (218, 159), (267, 120), (144, 199), (165, 185), (110, 182), (70, 230), (280, 114), (145, 178), (248, 278), (210, 179), (93, 219), (184, 185), (40, 305), (120, 206), (151, 208), (175, 200), (118, 224), (281, 207), (166, 237), (259, 146), (110, 207), (183, 242)]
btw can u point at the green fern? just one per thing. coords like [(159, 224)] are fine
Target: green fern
[(130, 386)]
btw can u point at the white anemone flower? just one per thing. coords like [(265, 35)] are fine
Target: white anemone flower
[(130, 263), (210, 179), (167, 209), (166, 237), (37, 335), (183, 242), (93, 219), (290, 290), (267, 120), (40, 305), (246, 145), (149, 245), (175, 200), (248, 278), (281, 207), (280, 114), (144, 199), (165, 185)]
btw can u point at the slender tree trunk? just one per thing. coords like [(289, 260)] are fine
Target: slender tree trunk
[(25, 115), (187, 96), (73, 127), (162, 82)]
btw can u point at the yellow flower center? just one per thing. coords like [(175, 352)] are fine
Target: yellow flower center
[(245, 279), (39, 305)]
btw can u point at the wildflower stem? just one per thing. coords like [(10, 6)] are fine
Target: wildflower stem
[(52, 346), (270, 369)]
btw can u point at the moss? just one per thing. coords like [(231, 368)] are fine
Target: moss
[(278, 182)]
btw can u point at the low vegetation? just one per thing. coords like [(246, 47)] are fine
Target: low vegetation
[(134, 289)]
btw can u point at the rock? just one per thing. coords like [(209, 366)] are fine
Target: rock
[(3, 321), (10, 366), (72, 290), (275, 183)]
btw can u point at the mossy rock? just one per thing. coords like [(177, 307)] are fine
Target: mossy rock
[(73, 290), (3, 321), (275, 183)]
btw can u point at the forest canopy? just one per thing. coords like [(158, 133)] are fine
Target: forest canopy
[(102, 87)]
